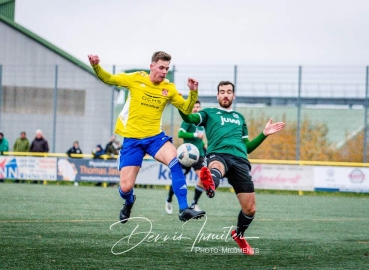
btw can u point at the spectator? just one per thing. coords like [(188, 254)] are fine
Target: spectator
[(4, 147), (22, 143), (74, 149), (112, 139), (110, 148), (39, 144), (98, 152), (113, 147), (4, 144)]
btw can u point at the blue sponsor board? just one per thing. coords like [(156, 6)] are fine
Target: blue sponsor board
[(87, 170)]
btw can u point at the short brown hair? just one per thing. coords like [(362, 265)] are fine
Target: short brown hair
[(226, 83), (160, 56), (198, 102)]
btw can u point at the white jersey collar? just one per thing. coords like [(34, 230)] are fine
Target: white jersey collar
[(220, 108)]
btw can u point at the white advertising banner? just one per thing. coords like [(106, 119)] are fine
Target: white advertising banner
[(265, 176), (283, 177), (27, 168), (155, 173), (351, 179)]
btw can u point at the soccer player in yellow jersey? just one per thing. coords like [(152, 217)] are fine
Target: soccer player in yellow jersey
[(139, 123)]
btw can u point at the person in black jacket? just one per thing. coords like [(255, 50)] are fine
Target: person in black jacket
[(74, 149), (112, 147), (39, 144)]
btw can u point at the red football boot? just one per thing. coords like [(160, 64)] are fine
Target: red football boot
[(242, 243), (207, 181)]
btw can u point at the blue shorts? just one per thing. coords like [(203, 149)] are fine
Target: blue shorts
[(134, 150)]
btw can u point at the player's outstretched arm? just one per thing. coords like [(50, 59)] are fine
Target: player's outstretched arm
[(270, 128), (193, 118), (103, 75), (186, 105)]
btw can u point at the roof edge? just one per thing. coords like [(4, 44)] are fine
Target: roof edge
[(47, 44)]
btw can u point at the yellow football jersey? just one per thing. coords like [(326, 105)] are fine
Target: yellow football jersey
[(143, 110)]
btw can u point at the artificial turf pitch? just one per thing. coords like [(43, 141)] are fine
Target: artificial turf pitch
[(68, 227)]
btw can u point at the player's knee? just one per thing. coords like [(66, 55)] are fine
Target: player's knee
[(125, 188), (252, 211), (249, 210)]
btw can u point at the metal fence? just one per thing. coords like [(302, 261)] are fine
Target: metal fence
[(336, 97)]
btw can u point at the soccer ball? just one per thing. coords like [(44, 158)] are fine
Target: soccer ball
[(188, 154)]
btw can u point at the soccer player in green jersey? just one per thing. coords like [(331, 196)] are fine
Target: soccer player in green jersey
[(228, 146), (193, 134)]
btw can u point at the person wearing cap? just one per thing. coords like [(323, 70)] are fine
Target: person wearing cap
[(4, 144), (22, 143), (74, 149)]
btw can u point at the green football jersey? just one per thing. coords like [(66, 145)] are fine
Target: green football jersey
[(191, 128), (225, 131)]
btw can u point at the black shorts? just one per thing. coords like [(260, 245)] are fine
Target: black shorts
[(197, 166), (237, 170)]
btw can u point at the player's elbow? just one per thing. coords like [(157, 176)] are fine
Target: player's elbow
[(186, 112), (105, 80)]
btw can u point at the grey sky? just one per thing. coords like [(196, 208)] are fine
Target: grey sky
[(242, 32)]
